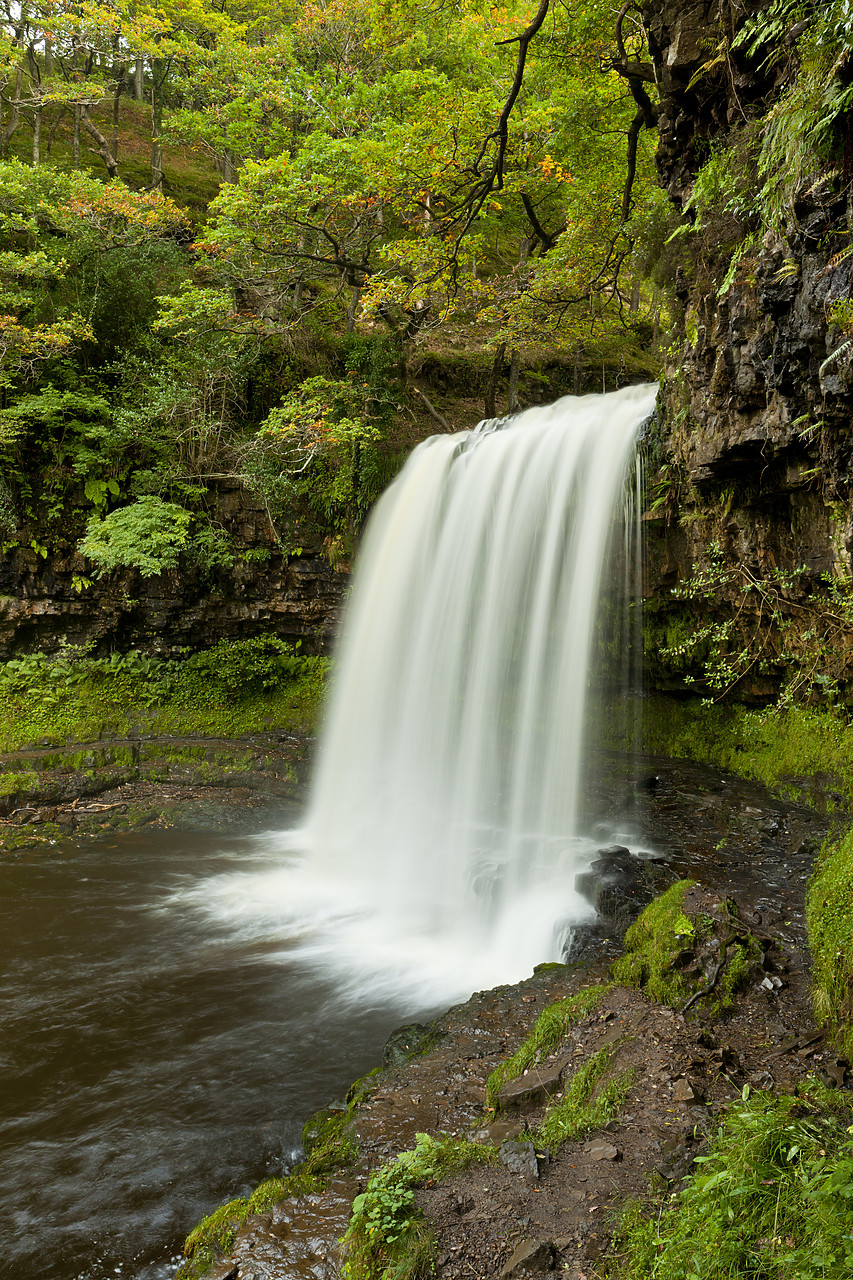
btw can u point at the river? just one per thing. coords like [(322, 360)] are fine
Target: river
[(154, 1063)]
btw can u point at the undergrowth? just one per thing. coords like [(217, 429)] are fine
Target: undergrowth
[(386, 1234), (588, 1103), (772, 1200), (549, 1029), (233, 687)]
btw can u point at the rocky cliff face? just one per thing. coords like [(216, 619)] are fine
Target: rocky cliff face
[(47, 601), (756, 430)]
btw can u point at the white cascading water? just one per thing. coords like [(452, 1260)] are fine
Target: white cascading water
[(444, 831)]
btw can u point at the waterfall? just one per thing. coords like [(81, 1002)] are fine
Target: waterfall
[(484, 642), (448, 792)]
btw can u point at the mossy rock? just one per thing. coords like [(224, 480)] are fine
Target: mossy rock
[(408, 1042), (829, 913), (689, 946)]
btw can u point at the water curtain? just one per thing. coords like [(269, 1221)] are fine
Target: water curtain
[(484, 612)]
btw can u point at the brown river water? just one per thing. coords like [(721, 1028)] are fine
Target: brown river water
[(152, 1064)]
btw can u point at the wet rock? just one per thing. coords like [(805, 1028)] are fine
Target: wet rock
[(520, 1157), (500, 1131), (683, 1091), (405, 1043), (530, 1255), (617, 884), (598, 1149), (539, 1083), (225, 1271)]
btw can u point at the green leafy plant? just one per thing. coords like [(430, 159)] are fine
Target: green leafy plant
[(148, 535), (386, 1234), (773, 1198)]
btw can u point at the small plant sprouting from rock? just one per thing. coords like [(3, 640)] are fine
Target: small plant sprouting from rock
[(386, 1234)]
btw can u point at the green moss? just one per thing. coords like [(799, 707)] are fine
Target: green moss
[(12, 783), (741, 962), (67, 699), (655, 947), (214, 1235), (328, 1142), (274, 1190), (549, 1029), (588, 1103), (829, 913), (653, 943), (806, 752)]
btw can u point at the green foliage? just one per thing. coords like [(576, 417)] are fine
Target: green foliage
[(386, 1235), (829, 912), (147, 535), (653, 944), (779, 627), (235, 687), (802, 131), (773, 1198), (548, 1030), (589, 1102)]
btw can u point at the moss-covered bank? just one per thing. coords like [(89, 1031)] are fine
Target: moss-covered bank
[(804, 752)]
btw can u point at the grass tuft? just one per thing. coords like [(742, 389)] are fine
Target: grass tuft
[(587, 1103), (829, 913), (549, 1029)]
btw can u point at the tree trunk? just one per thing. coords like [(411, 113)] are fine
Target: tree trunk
[(103, 147), (577, 378), (53, 128), (158, 77), (37, 135), (514, 369), (75, 149), (119, 75), (15, 116), (139, 79), (492, 383), (355, 295)]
